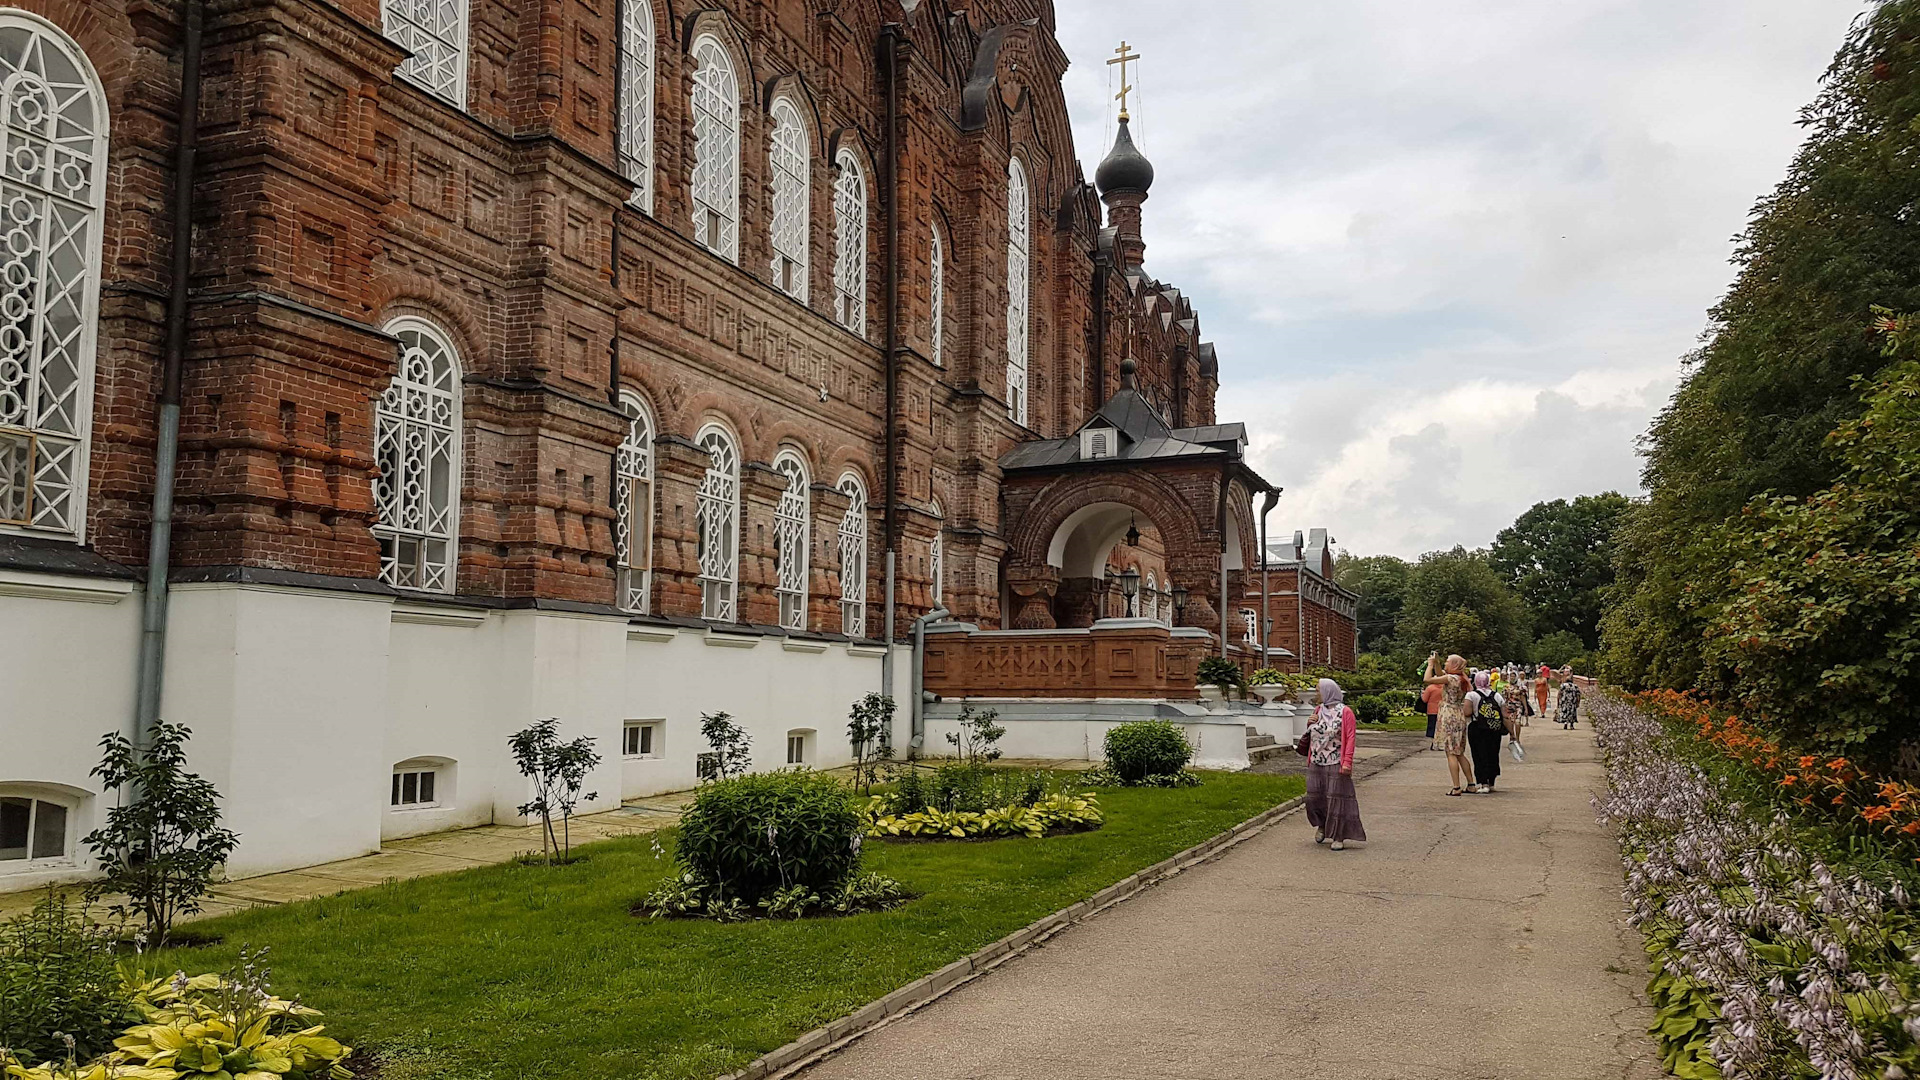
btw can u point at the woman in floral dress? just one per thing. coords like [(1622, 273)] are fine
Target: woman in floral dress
[(1453, 716), (1332, 807)]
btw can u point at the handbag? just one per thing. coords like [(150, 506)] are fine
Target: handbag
[(1303, 744)]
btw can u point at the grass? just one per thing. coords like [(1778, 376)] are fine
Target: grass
[(1400, 722), (517, 971)]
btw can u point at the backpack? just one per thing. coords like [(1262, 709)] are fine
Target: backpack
[(1490, 713)]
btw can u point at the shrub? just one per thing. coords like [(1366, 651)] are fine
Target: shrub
[(977, 741), (1267, 676), (558, 771), (752, 836), (1059, 812), (731, 752), (163, 846), (870, 732), (1146, 748), (1372, 709), (1218, 671), (57, 974)]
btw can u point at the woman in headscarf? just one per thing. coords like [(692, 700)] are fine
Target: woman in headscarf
[(1483, 735), (1453, 716), (1332, 808)]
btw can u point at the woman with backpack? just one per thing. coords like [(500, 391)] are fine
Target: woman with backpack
[(1484, 733)]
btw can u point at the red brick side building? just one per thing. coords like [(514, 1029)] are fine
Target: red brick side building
[(1314, 620)]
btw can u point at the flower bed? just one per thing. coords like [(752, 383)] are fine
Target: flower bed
[(1771, 957), (1053, 813)]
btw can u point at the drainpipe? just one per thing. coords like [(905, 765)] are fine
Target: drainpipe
[(166, 458), (1266, 593), (1220, 522), (1102, 267), (886, 658), (890, 57), (919, 710)]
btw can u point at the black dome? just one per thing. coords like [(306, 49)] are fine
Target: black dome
[(1126, 168)]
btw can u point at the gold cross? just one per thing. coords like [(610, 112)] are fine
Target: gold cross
[(1123, 56)]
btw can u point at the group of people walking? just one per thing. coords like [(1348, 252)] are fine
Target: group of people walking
[(1469, 715)]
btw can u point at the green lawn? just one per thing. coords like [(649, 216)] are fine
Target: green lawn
[(1400, 722), (528, 971)]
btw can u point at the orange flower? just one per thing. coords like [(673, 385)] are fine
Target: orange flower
[(1789, 780), (1839, 800), (1806, 761), (1911, 828), (1877, 814)]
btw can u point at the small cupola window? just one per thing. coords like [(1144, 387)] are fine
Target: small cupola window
[(1098, 442)]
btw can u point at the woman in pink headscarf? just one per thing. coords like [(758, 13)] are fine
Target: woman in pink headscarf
[(1483, 734), (1332, 807)]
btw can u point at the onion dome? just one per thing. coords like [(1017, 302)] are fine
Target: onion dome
[(1126, 168)]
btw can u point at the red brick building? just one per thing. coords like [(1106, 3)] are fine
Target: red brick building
[(1314, 620), (528, 353)]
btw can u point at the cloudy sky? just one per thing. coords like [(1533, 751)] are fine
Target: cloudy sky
[(1452, 253)]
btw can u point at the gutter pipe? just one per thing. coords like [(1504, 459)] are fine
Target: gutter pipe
[(919, 710)]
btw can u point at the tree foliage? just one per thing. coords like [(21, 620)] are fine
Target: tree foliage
[(1381, 581), (1457, 602), (1558, 557), (1785, 347)]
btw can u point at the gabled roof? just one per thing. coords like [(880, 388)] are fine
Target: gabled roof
[(1143, 435)]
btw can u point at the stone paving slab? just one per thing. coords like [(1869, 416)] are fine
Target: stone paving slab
[(1474, 938)]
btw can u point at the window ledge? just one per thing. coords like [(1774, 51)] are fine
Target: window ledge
[(804, 645), (720, 640), (425, 615), (866, 650), (62, 587), (651, 633)]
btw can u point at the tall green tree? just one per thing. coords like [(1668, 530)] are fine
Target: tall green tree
[(1776, 373), (1457, 602), (1381, 581), (1558, 556)]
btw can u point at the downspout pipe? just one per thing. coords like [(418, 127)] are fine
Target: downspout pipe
[(1102, 269), (1266, 594), (1220, 522), (890, 40), (919, 710), (166, 456)]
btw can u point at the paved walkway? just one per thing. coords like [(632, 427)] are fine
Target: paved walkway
[(1475, 938)]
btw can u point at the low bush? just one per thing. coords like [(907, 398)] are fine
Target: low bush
[(1372, 709), (750, 836), (1101, 776), (1058, 812), (58, 974), (971, 788), (1135, 751), (1218, 671)]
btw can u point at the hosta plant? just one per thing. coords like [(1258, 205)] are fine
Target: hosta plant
[(1060, 812)]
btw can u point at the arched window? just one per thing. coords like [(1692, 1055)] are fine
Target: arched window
[(850, 243), (791, 196), (1251, 619), (853, 559), (435, 31), (636, 102), (937, 299), (937, 556), (416, 443), (1019, 319), (52, 190), (792, 537), (633, 493), (1150, 599), (716, 150), (719, 525)]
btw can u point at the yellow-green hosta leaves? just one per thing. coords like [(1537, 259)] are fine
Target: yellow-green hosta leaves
[(1053, 813)]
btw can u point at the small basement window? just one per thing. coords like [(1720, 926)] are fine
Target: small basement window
[(415, 788), (799, 747), (1100, 442), (643, 739), (32, 829)]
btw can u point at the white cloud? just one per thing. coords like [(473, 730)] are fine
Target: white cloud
[(1452, 253)]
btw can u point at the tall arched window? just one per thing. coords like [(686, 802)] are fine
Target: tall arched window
[(719, 525), (792, 537), (850, 243), (636, 102), (716, 150), (791, 196), (853, 559), (634, 505), (53, 117), (416, 443), (1019, 299), (435, 31), (1150, 598), (937, 555), (937, 299)]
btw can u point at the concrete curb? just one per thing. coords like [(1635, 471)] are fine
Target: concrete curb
[(822, 1041)]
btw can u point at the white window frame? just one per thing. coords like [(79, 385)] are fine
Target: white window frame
[(435, 32), (804, 738), (790, 164), (1099, 443), (1151, 609), (850, 242), (719, 525), (397, 789), (937, 299), (37, 796), (853, 558), (633, 465), (643, 740), (1250, 619), (1019, 288), (793, 539), (410, 409), (53, 116), (937, 555), (716, 149), (636, 102)]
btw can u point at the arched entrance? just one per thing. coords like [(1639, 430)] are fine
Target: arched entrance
[(1104, 552)]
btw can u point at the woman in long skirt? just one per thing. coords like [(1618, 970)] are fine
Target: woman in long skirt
[(1332, 807), (1483, 735)]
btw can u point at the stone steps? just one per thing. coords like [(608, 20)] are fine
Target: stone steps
[(1261, 747)]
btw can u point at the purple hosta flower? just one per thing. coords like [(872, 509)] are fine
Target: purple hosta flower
[(179, 982)]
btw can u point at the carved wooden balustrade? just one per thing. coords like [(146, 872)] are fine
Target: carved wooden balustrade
[(1116, 658)]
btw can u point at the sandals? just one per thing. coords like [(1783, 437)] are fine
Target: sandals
[(1455, 791)]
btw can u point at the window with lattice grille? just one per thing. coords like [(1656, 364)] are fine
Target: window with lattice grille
[(937, 299), (416, 446), (716, 150), (636, 102), (52, 189), (1019, 290), (719, 509), (791, 539), (853, 559), (850, 243), (788, 162), (435, 32), (633, 509)]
